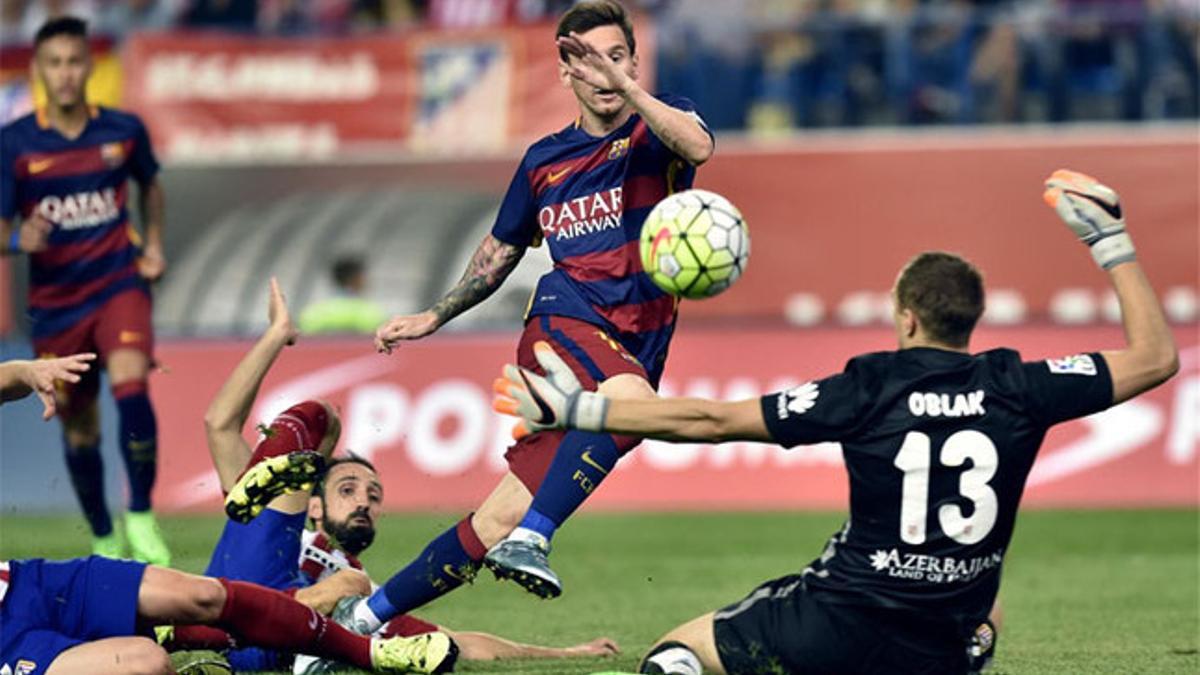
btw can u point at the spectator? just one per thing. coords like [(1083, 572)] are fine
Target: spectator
[(231, 15), (348, 311), (121, 17)]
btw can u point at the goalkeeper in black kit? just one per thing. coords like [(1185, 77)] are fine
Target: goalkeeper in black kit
[(938, 443)]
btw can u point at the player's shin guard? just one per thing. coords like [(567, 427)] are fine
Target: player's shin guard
[(138, 430), (671, 658), (87, 476), (259, 616), (448, 562), (582, 461)]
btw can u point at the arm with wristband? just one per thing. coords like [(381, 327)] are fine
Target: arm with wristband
[(31, 236)]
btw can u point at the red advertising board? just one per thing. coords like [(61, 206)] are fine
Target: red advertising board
[(423, 416), (836, 216), (219, 97)]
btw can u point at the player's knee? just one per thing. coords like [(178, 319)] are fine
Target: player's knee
[(206, 599), (125, 366), (333, 430), (144, 657), (319, 420)]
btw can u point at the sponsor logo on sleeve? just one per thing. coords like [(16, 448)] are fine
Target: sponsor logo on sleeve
[(797, 400), (1078, 364), (25, 667)]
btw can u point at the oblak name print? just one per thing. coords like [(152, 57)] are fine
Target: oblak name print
[(925, 404)]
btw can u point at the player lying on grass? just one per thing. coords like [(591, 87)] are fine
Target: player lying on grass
[(274, 549), (96, 615), (938, 444)]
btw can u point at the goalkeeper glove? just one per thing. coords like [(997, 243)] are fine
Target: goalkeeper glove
[(555, 401), (1093, 212)]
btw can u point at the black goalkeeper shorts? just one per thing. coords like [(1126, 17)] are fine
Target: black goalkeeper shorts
[(781, 628)]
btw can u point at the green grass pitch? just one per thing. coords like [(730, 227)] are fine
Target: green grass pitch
[(1083, 591)]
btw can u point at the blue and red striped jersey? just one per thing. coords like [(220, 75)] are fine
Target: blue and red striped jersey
[(81, 187), (587, 196)]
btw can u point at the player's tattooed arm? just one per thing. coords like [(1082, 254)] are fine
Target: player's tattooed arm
[(493, 261), (491, 264)]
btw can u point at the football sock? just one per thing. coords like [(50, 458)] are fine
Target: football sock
[(138, 431), (87, 475), (446, 563), (582, 461), (672, 658), (259, 616), (300, 427)]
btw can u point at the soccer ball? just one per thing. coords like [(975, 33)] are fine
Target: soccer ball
[(695, 244)]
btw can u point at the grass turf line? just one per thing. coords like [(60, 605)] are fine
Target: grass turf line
[(1083, 591)]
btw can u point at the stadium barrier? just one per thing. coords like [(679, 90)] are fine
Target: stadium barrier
[(219, 97), (423, 416)]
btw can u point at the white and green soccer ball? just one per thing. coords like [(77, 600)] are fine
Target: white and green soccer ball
[(695, 244)]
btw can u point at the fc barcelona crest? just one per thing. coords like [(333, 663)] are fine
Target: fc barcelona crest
[(112, 153), (619, 148)]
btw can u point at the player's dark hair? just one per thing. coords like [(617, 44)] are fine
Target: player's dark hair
[(945, 292), (348, 458), (590, 14), (62, 25), (346, 268)]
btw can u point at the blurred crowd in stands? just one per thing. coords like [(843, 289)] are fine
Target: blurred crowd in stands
[(773, 65)]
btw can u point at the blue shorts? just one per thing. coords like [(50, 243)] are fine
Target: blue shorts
[(265, 551), (52, 606)]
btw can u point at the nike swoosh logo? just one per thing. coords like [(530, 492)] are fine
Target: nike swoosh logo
[(664, 234), (587, 459), (40, 165), (455, 574), (556, 176)]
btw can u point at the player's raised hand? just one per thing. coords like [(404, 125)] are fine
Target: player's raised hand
[(34, 234), (152, 263), (279, 316), (1093, 212), (41, 375), (553, 401), (591, 66), (406, 327)]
